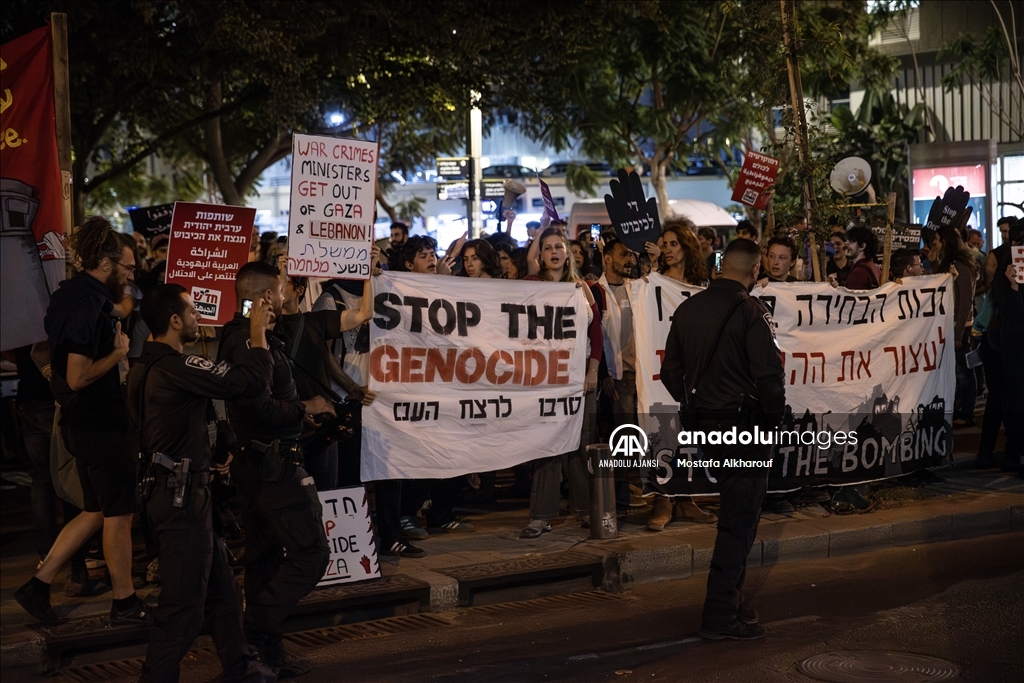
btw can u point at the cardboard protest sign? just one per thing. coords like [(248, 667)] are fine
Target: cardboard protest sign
[(465, 367), (208, 244), (948, 211), (31, 190), (879, 364), (1017, 257), (549, 204), (330, 226), (634, 217), (758, 173), (346, 518), (150, 221)]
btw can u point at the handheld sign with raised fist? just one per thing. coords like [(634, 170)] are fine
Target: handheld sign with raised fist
[(634, 217), (950, 210)]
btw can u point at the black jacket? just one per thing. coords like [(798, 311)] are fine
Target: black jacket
[(175, 408), (745, 361), (276, 411)]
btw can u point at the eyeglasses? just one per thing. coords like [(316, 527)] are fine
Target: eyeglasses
[(130, 269)]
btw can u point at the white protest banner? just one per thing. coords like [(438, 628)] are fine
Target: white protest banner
[(472, 375), (877, 363), (330, 226), (346, 518)]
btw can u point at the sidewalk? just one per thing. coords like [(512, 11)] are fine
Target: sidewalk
[(493, 565)]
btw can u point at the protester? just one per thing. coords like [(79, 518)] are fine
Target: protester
[(505, 250), (839, 265), (709, 369), (532, 228), (399, 235), (480, 260), (706, 238), (905, 263), (307, 336), (861, 249), (419, 255), (158, 247), (550, 260), (1001, 352), (954, 258), (88, 349), (745, 230), (518, 267), (780, 257), (581, 255), (999, 253), (169, 401), (280, 508), (681, 260)]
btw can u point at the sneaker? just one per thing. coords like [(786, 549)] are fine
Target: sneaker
[(411, 528), (138, 614), (402, 549), (37, 603), (737, 630), (77, 584), (535, 529), (457, 526), (284, 663), (249, 671), (747, 615)]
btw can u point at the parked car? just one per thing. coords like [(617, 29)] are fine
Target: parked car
[(558, 169), (508, 171)]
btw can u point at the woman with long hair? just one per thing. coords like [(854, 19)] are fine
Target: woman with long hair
[(950, 255), (681, 256), (683, 261), (550, 260), (480, 260)]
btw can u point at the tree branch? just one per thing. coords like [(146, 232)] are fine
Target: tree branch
[(214, 144), (275, 150)]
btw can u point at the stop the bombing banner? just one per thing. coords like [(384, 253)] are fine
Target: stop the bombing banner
[(471, 375), (879, 363)]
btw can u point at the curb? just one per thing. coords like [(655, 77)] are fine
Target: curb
[(776, 543)]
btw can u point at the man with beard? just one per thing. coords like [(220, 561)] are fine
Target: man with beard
[(286, 550), (88, 350), (169, 399)]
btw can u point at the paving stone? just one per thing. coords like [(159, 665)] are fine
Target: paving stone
[(660, 564), (981, 523)]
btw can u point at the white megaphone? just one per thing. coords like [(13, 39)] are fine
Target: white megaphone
[(850, 176), (513, 190)]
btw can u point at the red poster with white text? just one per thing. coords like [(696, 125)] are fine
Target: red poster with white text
[(208, 244), (758, 173)]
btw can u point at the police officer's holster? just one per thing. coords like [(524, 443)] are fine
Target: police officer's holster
[(286, 550)]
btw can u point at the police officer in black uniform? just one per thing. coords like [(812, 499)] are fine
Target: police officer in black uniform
[(169, 400), (286, 550), (726, 371)]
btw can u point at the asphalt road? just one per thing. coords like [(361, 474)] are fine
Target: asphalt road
[(961, 602)]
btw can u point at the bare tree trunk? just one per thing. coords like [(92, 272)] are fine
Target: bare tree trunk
[(659, 169), (386, 205)]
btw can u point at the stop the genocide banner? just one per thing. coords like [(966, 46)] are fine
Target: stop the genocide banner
[(471, 375), (878, 364)]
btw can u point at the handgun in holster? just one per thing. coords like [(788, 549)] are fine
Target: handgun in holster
[(144, 487), (178, 476)]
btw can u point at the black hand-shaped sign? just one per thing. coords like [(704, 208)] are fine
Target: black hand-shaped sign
[(949, 210), (634, 217)]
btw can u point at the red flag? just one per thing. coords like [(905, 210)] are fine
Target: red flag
[(31, 202)]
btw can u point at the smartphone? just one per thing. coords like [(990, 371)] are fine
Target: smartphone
[(595, 232), (246, 307), (718, 263)]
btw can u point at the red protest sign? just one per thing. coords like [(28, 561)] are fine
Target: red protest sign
[(31, 191), (208, 244), (758, 172)]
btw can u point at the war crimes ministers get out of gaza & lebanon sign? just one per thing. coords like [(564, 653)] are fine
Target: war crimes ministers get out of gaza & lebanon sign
[(330, 226)]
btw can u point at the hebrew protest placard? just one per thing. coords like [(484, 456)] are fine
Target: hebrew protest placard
[(150, 221), (756, 175), (878, 364), (207, 245), (634, 217), (346, 518), (471, 376), (330, 225)]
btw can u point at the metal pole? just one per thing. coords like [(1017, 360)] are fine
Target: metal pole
[(475, 148), (602, 492)]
